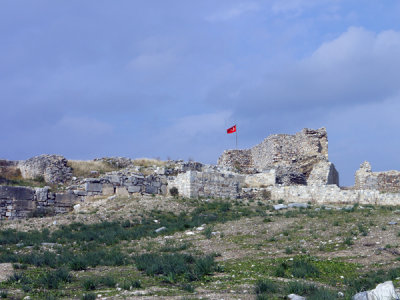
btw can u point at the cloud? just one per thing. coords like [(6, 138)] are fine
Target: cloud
[(358, 66), (84, 126), (233, 12)]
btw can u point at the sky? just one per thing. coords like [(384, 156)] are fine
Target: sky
[(165, 79)]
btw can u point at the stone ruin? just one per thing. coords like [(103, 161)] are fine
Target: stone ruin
[(295, 168), (297, 159), (386, 182)]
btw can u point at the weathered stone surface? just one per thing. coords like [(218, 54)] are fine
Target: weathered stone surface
[(283, 152), (280, 206), (93, 187), (16, 193), (42, 193), (6, 270), (66, 200), (323, 172), (388, 181), (264, 179), (121, 191), (52, 168), (108, 189), (149, 189), (208, 184), (134, 189)]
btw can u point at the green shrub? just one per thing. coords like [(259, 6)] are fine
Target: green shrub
[(303, 268), (108, 281), (89, 296), (173, 265), (52, 279), (300, 288), (90, 284), (207, 232), (265, 286), (131, 284)]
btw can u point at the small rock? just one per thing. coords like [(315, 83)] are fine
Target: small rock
[(340, 294), (189, 233), (77, 207), (200, 228), (54, 222), (160, 229), (295, 297), (280, 206), (298, 205)]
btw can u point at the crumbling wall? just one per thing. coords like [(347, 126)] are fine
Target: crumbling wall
[(292, 156), (125, 184), (52, 168), (388, 181), (332, 194), (194, 184), (237, 160), (19, 202)]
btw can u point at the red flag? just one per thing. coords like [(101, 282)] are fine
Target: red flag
[(231, 130)]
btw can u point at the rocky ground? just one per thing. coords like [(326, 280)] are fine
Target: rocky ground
[(342, 250)]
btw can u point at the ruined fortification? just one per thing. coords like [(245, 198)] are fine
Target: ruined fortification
[(294, 168), (296, 159)]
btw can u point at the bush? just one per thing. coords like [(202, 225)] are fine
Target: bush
[(174, 191), (265, 286), (300, 288), (208, 232), (303, 268), (174, 265), (89, 296), (90, 284), (52, 279)]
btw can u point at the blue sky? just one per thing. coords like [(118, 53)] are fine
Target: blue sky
[(166, 78)]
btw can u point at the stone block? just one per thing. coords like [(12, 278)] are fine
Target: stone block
[(24, 205), (80, 193), (121, 191), (108, 189), (41, 194), (16, 193), (66, 199), (156, 184), (134, 189), (115, 179), (164, 189), (151, 189), (93, 187)]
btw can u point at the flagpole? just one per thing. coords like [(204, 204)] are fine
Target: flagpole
[(236, 137)]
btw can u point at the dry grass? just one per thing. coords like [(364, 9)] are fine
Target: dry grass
[(148, 162), (84, 168)]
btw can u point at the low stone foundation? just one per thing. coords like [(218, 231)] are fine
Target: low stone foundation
[(332, 194), (19, 202)]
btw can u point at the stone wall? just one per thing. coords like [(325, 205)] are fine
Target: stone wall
[(292, 156), (125, 184), (388, 181), (208, 184), (332, 194), (19, 202)]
